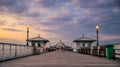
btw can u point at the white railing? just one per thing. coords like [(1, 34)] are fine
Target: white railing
[(117, 51), (11, 51)]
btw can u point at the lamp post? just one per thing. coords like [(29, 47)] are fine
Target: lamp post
[(27, 27), (97, 31)]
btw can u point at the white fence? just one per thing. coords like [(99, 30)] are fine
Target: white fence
[(117, 50), (11, 51)]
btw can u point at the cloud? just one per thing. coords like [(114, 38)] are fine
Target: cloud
[(97, 3), (108, 37), (53, 3), (2, 23), (66, 19), (11, 29), (33, 15), (13, 6)]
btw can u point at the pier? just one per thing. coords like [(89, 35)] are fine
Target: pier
[(59, 33)]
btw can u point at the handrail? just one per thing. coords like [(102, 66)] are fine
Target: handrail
[(12, 44)]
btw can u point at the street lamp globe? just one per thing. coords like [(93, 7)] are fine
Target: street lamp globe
[(27, 27), (97, 27)]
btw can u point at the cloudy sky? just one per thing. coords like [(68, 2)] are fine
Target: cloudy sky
[(56, 20)]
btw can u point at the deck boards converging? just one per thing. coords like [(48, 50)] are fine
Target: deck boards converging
[(61, 59)]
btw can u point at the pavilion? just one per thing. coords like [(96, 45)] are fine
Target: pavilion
[(84, 41), (38, 42)]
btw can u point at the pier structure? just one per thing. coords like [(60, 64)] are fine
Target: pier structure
[(39, 44)]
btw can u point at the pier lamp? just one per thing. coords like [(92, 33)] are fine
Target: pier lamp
[(97, 32), (27, 27)]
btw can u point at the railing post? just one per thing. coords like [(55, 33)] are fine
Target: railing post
[(3, 51), (15, 50), (99, 51), (114, 54), (20, 50), (27, 50), (105, 52), (24, 50), (10, 50)]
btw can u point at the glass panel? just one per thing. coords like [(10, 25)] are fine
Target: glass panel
[(31, 50), (20, 54), (22, 50), (12, 50), (18, 50), (6, 51), (25, 50), (1, 46), (28, 50)]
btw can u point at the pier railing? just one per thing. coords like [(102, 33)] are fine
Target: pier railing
[(117, 51), (11, 51), (101, 51), (95, 51)]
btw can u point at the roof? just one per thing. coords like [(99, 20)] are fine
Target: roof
[(38, 38), (60, 43), (84, 39)]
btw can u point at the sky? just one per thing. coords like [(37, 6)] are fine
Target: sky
[(56, 20)]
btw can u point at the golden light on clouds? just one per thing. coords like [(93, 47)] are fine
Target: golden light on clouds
[(12, 30), (8, 18)]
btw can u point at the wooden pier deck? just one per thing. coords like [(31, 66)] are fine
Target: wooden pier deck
[(60, 59)]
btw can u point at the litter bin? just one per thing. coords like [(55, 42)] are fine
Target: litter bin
[(109, 51), (78, 50)]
